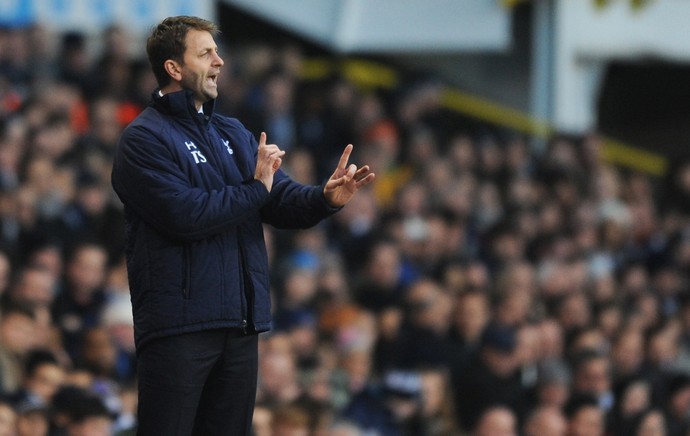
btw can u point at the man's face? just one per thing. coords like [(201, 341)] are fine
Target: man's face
[(18, 333), (46, 381), (594, 377), (501, 363), (92, 426), (589, 421), (201, 66)]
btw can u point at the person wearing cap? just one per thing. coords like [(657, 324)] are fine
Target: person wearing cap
[(491, 379)]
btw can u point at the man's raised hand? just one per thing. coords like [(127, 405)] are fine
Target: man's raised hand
[(269, 159), (346, 180)]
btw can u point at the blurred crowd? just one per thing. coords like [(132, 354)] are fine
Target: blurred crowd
[(482, 286)]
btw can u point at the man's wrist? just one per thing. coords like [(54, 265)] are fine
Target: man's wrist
[(263, 183)]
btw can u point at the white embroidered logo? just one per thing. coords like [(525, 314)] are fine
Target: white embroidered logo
[(227, 145), (198, 156)]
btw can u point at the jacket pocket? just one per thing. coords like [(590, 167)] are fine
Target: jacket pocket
[(186, 274)]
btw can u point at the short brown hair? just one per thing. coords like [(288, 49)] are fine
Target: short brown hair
[(167, 41)]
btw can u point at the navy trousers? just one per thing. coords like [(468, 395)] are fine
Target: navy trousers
[(201, 383)]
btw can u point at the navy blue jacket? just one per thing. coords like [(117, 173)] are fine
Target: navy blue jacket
[(196, 256)]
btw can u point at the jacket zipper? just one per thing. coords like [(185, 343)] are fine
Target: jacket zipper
[(187, 273), (246, 282), (222, 276), (244, 288)]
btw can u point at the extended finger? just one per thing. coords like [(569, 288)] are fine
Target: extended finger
[(361, 172), (262, 139), (366, 180), (277, 152), (345, 156)]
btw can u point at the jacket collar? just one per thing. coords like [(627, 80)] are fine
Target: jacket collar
[(181, 104)]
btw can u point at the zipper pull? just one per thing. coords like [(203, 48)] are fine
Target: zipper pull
[(244, 326)]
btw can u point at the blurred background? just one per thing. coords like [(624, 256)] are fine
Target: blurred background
[(520, 267)]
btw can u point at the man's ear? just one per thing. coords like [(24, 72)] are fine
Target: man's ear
[(174, 69)]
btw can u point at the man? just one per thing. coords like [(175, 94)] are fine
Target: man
[(18, 335), (78, 306), (43, 376), (491, 378), (423, 340), (496, 421), (90, 417), (678, 404), (197, 187), (585, 417), (592, 376), (545, 421), (390, 408)]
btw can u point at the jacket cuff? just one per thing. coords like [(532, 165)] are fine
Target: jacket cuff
[(260, 188), (330, 210)]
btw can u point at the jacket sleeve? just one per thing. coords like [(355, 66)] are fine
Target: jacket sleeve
[(149, 181), (294, 205)]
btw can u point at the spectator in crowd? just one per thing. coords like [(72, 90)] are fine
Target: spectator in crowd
[(98, 353), (677, 404), (422, 340), (381, 284), (116, 321), (18, 329), (290, 420), (553, 384), (585, 417), (545, 421), (437, 414), (8, 419), (496, 421), (278, 383), (5, 272), (389, 409), (92, 215), (491, 379), (591, 376), (90, 417), (649, 422), (344, 428), (82, 296), (262, 421), (472, 314), (632, 398), (33, 419), (43, 376), (627, 356), (34, 286)]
